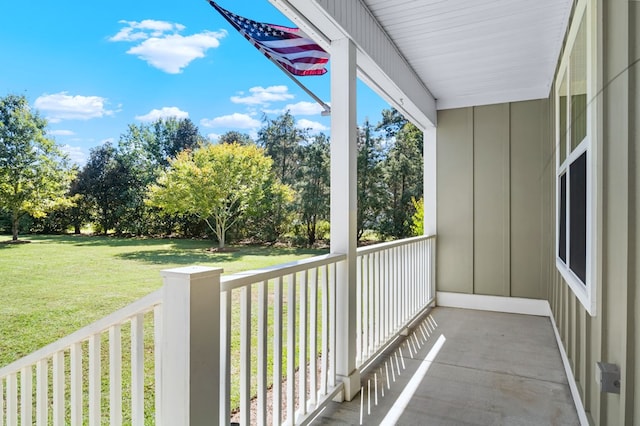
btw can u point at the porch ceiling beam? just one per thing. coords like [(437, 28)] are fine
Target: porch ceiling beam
[(380, 64)]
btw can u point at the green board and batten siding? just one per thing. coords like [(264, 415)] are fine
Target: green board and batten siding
[(496, 215), (490, 193)]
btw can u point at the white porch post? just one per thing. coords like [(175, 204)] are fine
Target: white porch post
[(344, 207), (430, 175), (190, 370)]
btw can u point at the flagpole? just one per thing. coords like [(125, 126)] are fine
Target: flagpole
[(327, 108)]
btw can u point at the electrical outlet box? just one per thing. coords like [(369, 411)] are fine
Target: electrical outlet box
[(608, 377)]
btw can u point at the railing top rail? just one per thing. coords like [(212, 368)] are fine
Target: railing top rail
[(143, 304), (241, 279), (391, 244)]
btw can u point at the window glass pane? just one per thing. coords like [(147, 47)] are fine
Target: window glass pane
[(578, 217), (562, 219), (562, 111), (578, 86)]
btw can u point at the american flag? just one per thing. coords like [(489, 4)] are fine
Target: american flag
[(289, 47)]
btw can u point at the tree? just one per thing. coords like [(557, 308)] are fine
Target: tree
[(216, 183), (403, 180), (110, 183), (313, 185), (34, 172), (236, 137), (280, 139), (371, 190)]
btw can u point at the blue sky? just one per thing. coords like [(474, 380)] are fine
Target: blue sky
[(93, 68)]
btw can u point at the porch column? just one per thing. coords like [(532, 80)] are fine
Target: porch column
[(429, 178), (344, 207), (190, 348)]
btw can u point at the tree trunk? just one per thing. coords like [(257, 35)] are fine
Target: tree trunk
[(15, 223), (76, 229), (221, 240)]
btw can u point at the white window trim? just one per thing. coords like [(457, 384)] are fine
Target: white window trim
[(585, 292)]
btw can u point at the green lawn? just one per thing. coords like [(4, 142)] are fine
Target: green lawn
[(57, 284)]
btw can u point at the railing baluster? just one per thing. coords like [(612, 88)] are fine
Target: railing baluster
[(1, 401), (245, 355), (26, 403), (157, 362), (302, 345), (225, 357), (12, 400), (372, 305), (137, 369), (365, 307), (359, 302), (326, 326), (76, 383), (313, 356), (95, 379), (262, 353), (115, 376), (332, 325), (42, 393), (291, 348), (277, 352), (58, 388)]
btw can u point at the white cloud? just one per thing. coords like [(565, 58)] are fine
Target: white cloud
[(313, 125), (263, 96), (144, 29), (76, 154), (61, 106), (213, 137), (165, 112), (300, 108), (60, 133), (161, 45), (235, 120)]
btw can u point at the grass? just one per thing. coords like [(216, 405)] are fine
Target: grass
[(57, 284)]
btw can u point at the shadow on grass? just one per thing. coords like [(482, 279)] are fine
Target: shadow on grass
[(113, 241), (182, 256)]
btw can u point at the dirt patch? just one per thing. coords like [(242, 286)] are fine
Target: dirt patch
[(221, 250)]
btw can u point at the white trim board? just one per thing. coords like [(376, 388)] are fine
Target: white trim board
[(511, 305), (517, 305)]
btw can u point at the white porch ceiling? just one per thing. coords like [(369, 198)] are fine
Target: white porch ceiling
[(475, 52), (459, 52)]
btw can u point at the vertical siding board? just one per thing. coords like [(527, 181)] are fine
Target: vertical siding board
[(634, 36), (527, 137), (616, 201), (455, 200), (491, 200)]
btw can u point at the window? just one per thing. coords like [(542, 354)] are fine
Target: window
[(576, 160)]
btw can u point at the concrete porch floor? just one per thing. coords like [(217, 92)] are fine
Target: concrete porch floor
[(465, 367)]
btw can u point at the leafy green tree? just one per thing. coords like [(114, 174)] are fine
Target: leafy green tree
[(110, 183), (236, 137), (417, 227), (216, 183), (313, 185), (271, 218), (281, 139), (145, 150), (34, 172), (371, 189), (403, 174)]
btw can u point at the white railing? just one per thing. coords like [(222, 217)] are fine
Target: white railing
[(294, 314), (67, 384), (262, 343), (395, 284)]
